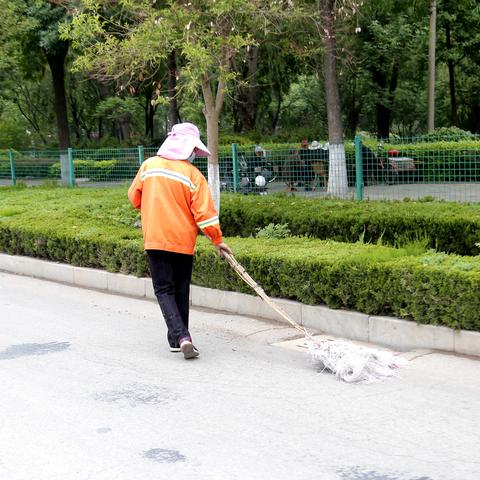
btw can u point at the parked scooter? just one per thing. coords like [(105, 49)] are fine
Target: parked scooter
[(255, 172)]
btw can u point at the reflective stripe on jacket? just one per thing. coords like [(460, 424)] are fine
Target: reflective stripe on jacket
[(175, 201)]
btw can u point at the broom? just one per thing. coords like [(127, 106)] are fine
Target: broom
[(347, 361)]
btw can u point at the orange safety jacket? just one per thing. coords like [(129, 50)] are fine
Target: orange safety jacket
[(175, 201)]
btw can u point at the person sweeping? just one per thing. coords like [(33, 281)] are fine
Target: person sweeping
[(175, 202)]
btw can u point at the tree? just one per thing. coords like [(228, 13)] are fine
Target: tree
[(458, 43), (432, 43), (205, 35), (30, 29), (337, 179), (14, 132), (387, 44), (327, 17), (264, 75)]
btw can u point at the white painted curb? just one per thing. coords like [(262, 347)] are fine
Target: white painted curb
[(392, 332)]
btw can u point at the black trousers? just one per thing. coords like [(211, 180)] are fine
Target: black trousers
[(171, 276)]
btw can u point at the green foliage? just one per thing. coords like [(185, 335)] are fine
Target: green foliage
[(200, 35), (229, 138), (303, 112), (30, 39), (117, 107), (33, 164), (415, 247), (273, 231), (124, 47), (101, 165), (4, 167), (13, 128), (101, 170), (90, 228), (367, 278), (395, 223), (446, 133), (94, 228)]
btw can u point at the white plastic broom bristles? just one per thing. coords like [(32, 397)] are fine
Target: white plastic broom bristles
[(353, 363), (347, 361)]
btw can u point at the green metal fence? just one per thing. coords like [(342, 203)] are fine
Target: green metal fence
[(406, 168), (420, 168), (32, 166)]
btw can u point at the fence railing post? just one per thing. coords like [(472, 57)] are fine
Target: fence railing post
[(235, 166), (71, 173), (358, 167), (140, 154), (12, 167)]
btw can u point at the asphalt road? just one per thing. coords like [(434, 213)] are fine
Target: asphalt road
[(89, 390)]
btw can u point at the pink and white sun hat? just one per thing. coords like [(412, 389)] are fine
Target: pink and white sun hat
[(181, 141)]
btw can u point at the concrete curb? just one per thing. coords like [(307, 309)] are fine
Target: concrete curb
[(392, 332)]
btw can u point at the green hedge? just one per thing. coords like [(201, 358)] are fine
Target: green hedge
[(432, 288), (99, 170), (33, 167), (94, 228), (5, 171), (108, 254), (449, 227)]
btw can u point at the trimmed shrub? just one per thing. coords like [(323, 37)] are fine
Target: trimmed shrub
[(5, 171), (94, 228), (108, 254), (33, 166), (449, 227), (95, 170), (432, 289)]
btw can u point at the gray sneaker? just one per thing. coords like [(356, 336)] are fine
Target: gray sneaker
[(188, 350)]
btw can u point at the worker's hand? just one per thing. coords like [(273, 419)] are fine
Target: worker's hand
[(222, 248)]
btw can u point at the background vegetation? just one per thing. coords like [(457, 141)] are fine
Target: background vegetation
[(276, 90)]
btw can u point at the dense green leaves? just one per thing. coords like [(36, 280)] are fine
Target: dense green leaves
[(268, 55), (430, 289), (95, 228), (444, 226)]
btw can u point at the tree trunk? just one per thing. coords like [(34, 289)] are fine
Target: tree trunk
[(212, 110), (432, 41), (149, 115), (353, 111), (124, 126), (173, 114), (213, 165), (75, 117), (246, 96), (276, 116), (56, 62), (451, 76), (102, 93), (383, 124), (337, 179), (384, 108)]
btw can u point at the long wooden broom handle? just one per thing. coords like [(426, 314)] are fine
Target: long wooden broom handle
[(242, 273)]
